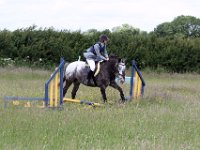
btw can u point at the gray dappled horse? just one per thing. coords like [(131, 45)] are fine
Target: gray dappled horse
[(77, 72)]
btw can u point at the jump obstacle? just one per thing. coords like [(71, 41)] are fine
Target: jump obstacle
[(137, 82), (53, 95)]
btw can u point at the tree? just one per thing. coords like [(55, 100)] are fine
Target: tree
[(188, 26)]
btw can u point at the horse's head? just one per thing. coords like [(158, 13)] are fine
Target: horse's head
[(120, 68)]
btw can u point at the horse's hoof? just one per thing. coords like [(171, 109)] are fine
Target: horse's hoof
[(127, 98)]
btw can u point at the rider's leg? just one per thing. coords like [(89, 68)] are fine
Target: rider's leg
[(91, 63)]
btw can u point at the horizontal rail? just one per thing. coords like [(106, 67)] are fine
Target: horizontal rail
[(7, 98), (81, 102)]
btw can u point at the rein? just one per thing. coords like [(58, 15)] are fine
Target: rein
[(118, 71), (121, 65)]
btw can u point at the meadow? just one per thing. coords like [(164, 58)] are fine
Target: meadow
[(167, 118)]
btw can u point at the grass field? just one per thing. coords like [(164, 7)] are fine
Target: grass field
[(168, 117)]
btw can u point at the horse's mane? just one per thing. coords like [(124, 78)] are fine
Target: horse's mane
[(111, 63), (113, 56)]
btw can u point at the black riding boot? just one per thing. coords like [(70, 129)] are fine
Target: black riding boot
[(91, 76)]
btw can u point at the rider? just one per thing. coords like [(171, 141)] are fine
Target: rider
[(97, 52)]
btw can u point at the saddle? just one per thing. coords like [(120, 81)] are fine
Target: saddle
[(97, 67)]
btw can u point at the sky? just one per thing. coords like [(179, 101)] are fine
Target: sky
[(82, 15)]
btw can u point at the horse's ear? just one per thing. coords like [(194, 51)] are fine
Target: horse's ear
[(123, 60), (112, 55)]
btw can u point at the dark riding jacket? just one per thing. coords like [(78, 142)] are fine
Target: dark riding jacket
[(97, 52)]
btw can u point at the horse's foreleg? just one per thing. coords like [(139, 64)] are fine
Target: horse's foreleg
[(75, 89), (116, 86), (103, 93)]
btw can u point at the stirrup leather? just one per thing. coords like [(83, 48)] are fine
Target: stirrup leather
[(97, 70)]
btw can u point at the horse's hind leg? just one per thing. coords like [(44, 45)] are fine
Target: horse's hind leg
[(66, 86), (75, 89)]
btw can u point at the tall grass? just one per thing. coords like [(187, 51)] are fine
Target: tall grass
[(168, 117)]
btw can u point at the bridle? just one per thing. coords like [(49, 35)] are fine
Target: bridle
[(121, 71)]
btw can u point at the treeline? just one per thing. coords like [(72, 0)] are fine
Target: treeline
[(172, 46)]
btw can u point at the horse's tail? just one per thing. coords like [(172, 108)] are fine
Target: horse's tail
[(64, 77), (65, 67), (64, 71)]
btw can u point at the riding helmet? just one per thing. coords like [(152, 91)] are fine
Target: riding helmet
[(103, 38)]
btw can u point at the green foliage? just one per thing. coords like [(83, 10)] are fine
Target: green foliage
[(186, 26), (173, 46)]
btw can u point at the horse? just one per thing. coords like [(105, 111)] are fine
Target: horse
[(77, 72)]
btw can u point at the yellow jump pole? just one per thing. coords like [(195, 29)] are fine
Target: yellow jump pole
[(139, 88), (135, 85), (81, 102), (51, 94), (56, 90)]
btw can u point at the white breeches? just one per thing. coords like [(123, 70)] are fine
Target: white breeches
[(91, 63)]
